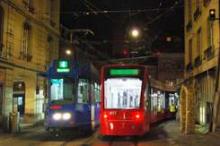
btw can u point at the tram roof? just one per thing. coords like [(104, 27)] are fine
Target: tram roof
[(77, 69)]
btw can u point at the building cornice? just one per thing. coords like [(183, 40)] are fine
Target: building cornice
[(7, 64)]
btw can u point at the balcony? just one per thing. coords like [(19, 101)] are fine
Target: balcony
[(209, 53), (189, 67), (198, 61), (197, 13), (189, 26)]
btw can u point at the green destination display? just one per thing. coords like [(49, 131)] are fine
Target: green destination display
[(63, 66), (124, 72)]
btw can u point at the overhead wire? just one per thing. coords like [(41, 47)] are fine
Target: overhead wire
[(93, 10), (89, 4)]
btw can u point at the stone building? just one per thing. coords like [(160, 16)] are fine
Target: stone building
[(201, 55), (29, 40), (168, 69)]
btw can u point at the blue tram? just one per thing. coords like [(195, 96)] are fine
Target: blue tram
[(73, 96)]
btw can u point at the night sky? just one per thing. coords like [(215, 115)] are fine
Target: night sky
[(110, 20)]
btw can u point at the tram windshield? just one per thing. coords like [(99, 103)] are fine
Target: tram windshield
[(122, 93), (62, 89)]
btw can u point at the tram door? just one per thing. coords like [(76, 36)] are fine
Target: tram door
[(19, 97)]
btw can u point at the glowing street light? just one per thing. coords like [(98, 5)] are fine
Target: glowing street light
[(135, 33), (68, 52)]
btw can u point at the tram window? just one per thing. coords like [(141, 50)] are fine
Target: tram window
[(97, 92), (153, 101), (122, 93), (83, 89), (68, 90), (62, 89), (56, 89)]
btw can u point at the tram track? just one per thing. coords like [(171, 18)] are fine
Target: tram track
[(128, 141), (86, 142)]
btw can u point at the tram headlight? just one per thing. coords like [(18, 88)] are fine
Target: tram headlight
[(57, 116), (66, 116)]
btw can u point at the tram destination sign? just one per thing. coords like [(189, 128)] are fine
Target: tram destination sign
[(124, 72), (63, 66)]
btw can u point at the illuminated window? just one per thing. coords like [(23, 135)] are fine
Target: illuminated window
[(56, 89), (83, 89), (97, 92), (122, 93), (62, 89)]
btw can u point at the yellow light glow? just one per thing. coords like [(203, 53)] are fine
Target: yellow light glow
[(68, 52), (135, 33), (66, 116)]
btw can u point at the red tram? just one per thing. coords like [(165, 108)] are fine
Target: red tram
[(128, 103), (124, 100)]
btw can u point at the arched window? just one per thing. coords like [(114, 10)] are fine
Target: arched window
[(1, 28)]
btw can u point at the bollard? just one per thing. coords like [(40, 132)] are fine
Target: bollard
[(14, 122)]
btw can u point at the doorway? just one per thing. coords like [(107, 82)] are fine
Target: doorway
[(19, 97)]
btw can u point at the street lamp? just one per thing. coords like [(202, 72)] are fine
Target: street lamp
[(212, 14), (135, 33), (68, 52)]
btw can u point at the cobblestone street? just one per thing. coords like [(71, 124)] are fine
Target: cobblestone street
[(164, 134)]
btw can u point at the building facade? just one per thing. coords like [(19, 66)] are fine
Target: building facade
[(168, 69), (29, 40), (201, 55)]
